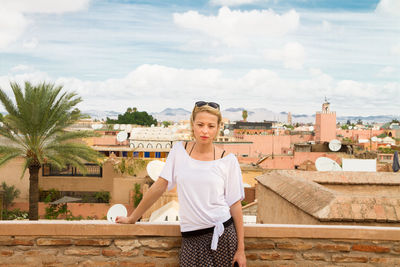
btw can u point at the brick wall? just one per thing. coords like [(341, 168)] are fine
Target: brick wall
[(103, 244)]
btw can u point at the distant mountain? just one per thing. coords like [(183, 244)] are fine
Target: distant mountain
[(172, 114), (368, 119), (96, 114), (235, 114)]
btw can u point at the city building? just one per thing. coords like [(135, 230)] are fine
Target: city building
[(325, 124)]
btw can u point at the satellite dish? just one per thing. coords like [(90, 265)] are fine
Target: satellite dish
[(128, 128), (324, 164), (122, 136), (335, 145), (374, 139), (311, 128), (154, 169), (122, 126), (132, 146), (101, 125), (116, 126), (94, 126), (115, 211), (152, 126), (350, 127), (226, 131)]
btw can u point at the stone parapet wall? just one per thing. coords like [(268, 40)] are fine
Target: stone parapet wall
[(104, 244)]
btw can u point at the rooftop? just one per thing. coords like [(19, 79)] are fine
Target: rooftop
[(303, 190)]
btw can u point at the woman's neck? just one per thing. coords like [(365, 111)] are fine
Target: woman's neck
[(203, 148)]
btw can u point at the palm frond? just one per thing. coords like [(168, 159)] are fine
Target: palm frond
[(7, 103)]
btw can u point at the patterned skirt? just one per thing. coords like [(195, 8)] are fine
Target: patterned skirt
[(196, 250)]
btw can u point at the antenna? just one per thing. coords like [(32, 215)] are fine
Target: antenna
[(122, 136), (335, 145), (324, 164), (154, 169)]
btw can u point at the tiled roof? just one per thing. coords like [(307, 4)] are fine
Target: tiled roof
[(328, 205), (351, 178)]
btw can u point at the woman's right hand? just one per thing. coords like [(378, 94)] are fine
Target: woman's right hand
[(122, 219)]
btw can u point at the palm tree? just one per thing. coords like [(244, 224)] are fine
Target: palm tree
[(35, 129), (244, 115)]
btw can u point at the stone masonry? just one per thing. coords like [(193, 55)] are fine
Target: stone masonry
[(86, 244)]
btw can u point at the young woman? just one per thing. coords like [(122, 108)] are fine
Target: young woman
[(210, 190)]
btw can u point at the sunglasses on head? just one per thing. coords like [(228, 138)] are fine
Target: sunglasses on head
[(204, 103)]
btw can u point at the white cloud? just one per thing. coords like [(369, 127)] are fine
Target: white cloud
[(395, 50), (292, 55), (221, 59), (386, 71), (12, 25), (234, 2), (13, 21), (20, 67), (155, 87), (390, 7), (234, 27), (30, 44), (326, 26), (45, 6)]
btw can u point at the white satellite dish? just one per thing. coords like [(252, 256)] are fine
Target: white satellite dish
[(122, 126), (115, 211), (116, 126), (132, 146), (335, 145), (226, 131), (350, 127), (324, 164), (152, 126), (100, 125), (122, 136), (311, 128), (374, 139), (94, 126), (128, 128), (154, 169)]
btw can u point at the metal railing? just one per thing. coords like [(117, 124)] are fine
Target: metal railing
[(92, 170)]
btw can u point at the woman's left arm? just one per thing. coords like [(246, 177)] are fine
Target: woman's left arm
[(237, 215)]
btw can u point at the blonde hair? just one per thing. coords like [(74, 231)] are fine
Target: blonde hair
[(205, 108)]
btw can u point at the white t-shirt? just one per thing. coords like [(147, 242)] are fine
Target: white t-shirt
[(206, 189)]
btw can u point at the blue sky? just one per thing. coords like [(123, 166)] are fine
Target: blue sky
[(274, 54)]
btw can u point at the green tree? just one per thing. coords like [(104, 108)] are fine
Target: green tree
[(244, 115), (166, 123), (359, 122), (35, 129), (10, 193), (134, 117)]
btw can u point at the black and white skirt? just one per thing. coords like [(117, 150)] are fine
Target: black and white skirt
[(196, 250)]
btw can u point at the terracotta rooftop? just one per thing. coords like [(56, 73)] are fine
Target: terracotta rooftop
[(340, 177), (328, 205)]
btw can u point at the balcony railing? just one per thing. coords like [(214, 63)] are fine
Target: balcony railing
[(93, 170)]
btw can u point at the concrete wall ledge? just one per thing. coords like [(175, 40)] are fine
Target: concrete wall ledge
[(105, 228)]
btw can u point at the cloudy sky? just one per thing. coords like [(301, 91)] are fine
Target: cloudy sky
[(283, 55)]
